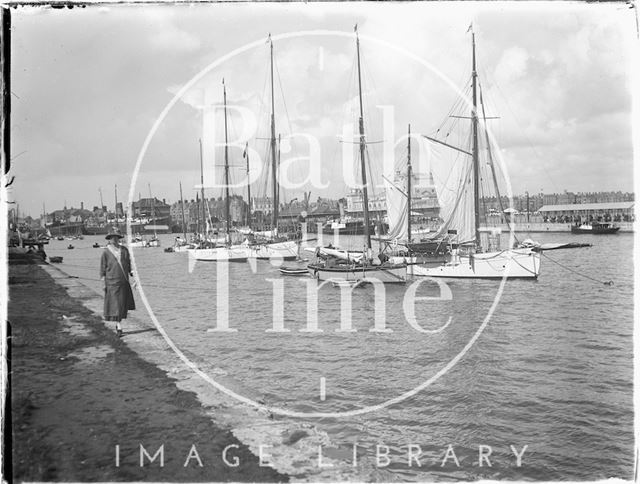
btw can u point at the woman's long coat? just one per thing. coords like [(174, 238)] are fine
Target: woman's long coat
[(118, 296)]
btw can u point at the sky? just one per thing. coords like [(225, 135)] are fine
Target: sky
[(90, 84)]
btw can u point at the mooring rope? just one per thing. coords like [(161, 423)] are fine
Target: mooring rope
[(606, 283)]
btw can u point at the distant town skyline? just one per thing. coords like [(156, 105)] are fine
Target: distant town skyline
[(89, 83), (518, 202)]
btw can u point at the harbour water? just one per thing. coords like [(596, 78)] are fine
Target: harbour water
[(551, 370)]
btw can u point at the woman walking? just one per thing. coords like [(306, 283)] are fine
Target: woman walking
[(115, 269)]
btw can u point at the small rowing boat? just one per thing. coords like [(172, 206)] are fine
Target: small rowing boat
[(293, 271)]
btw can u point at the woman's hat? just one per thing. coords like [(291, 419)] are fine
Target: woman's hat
[(114, 232)]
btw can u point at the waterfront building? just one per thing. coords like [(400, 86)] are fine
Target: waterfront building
[(609, 211), (377, 204), (151, 207), (424, 202)]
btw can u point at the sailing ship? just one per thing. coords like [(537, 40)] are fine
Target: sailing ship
[(468, 258), (181, 244), (336, 265), (221, 250), (137, 241), (153, 241), (270, 244), (431, 248)]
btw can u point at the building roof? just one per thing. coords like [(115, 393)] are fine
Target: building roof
[(572, 207), (149, 202)]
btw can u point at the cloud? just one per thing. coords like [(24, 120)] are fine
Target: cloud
[(512, 65)]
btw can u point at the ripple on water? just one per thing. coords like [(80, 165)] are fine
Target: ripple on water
[(553, 370)]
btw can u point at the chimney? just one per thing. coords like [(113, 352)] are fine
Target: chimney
[(81, 205)]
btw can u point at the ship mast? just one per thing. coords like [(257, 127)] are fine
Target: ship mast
[(115, 190), (184, 225), (246, 152), (204, 224), (226, 161), (365, 195), (409, 173), (153, 210), (474, 150), (274, 161)]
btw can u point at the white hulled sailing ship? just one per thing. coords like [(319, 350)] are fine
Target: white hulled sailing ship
[(221, 249), (270, 244), (469, 259)]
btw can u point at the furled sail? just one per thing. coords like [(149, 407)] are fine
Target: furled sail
[(397, 208), (457, 206)]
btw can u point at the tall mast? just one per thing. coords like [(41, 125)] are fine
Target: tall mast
[(184, 225), (409, 168), (246, 152), (274, 161), (226, 160), (474, 151), (153, 210), (365, 195), (278, 165), (198, 214), (204, 225), (116, 199)]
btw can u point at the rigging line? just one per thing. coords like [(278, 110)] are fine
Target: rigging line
[(452, 109), (284, 103), (458, 106), (606, 283), (491, 164), (371, 178)]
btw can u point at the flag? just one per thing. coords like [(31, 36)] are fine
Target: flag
[(355, 28), (244, 153), (470, 27)]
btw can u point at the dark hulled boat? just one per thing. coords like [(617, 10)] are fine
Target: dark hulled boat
[(347, 227), (596, 228)]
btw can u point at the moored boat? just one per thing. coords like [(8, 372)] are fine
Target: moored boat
[(387, 273), (511, 263), (270, 244), (226, 251), (332, 266), (402, 247), (137, 242), (346, 227), (470, 259), (293, 271), (596, 228), (280, 250), (220, 254)]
